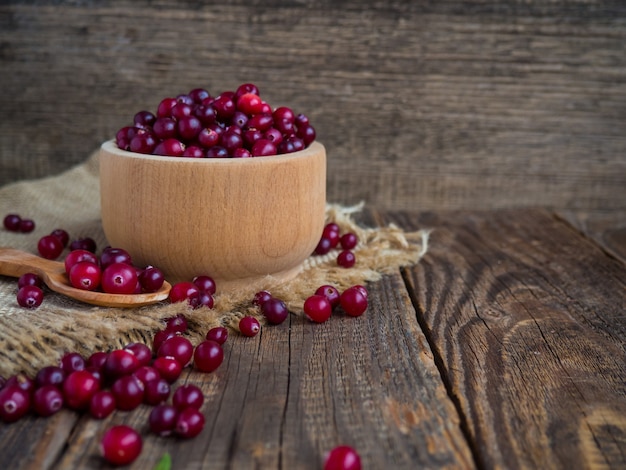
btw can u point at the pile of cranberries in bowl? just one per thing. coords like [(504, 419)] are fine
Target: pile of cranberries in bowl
[(235, 124)]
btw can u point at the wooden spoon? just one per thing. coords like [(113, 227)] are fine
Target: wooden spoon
[(15, 263)]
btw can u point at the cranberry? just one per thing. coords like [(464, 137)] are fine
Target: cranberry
[(261, 122), (21, 381), (50, 247), (120, 362), (151, 279), (330, 292), (249, 326), (332, 232), (147, 373), (263, 148), (208, 137), (121, 445), (144, 119), (102, 404), (78, 256), (363, 290), (241, 153), (323, 246), (159, 337), (201, 299), (188, 127), (165, 107), (162, 419), (14, 403), (183, 291), (164, 128), (29, 279), (128, 391), (349, 241), (205, 283), (112, 255), (283, 113), (342, 458), (47, 400), (85, 275), (246, 88), (177, 324), (62, 235), (50, 375), (87, 244), (71, 362), (208, 356), (317, 308), (97, 360), (188, 395), (119, 278), (27, 225), (224, 106), (353, 302), (142, 352), (178, 347), (275, 311), (169, 368), (219, 334), (170, 148), (30, 296), (217, 151), (189, 423), (199, 94), (12, 222), (261, 297), (78, 388), (346, 259), (250, 104), (156, 391), (307, 134), (143, 142)]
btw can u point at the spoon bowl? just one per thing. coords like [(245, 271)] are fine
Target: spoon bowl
[(15, 263)]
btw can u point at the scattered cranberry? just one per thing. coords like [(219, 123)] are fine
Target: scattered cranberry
[(317, 308), (261, 297), (78, 388), (71, 362), (330, 292), (275, 311), (162, 419), (219, 334), (178, 347), (102, 404), (208, 356), (168, 367), (349, 241), (30, 296), (142, 352), (342, 458), (87, 244), (128, 391), (47, 400), (97, 360), (346, 259), (12, 222), (160, 337), (188, 395), (121, 445), (205, 283), (183, 291), (27, 225), (323, 246), (363, 290), (50, 247), (120, 362), (50, 375), (249, 326), (21, 381), (189, 423), (201, 299), (62, 235), (146, 374), (29, 279), (353, 302), (332, 233), (156, 391), (177, 324), (14, 403)]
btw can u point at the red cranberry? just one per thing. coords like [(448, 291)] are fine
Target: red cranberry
[(47, 400), (188, 395), (78, 256), (62, 235), (112, 255), (120, 362), (50, 247), (12, 222), (323, 246), (317, 308), (71, 362), (178, 347), (330, 292), (183, 291), (29, 296), (164, 109), (159, 337), (249, 326), (29, 279), (156, 391), (119, 278), (85, 275), (263, 148), (27, 225), (87, 244), (151, 279), (162, 419), (349, 241), (147, 373), (142, 352), (205, 283), (128, 391), (14, 403), (21, 381), (78, 388), (97, 360), (208, 356), (168, 367), (219, 334), (275, 311), (121, 445), (50, 375), (363, 290), (342, 458), (189, 423), (261, 297), (332, 231), (353, 302), (102, 404), (346, 259), (177, 324), (246, 88)]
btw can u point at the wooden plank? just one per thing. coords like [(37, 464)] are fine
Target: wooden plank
[(448, 104), (285, 397), (526, 318)]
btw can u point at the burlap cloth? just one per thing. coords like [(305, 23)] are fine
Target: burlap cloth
[(31, 339)]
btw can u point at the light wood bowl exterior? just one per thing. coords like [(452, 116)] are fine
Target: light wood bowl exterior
[(237, 220)]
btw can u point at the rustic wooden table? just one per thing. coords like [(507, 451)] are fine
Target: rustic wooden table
[(503, 348)]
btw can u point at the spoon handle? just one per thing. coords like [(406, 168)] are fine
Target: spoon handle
[(14, 263)]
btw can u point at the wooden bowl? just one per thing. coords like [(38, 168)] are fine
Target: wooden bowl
[(234, 219)]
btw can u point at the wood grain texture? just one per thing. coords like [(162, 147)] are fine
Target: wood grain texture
[(526, 319), (430, 105)]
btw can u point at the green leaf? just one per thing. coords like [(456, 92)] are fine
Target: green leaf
[(165, 463)]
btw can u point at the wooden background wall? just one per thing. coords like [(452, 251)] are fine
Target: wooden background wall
[(421, 105)]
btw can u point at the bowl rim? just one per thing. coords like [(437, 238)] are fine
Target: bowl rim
[(314, 148)]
